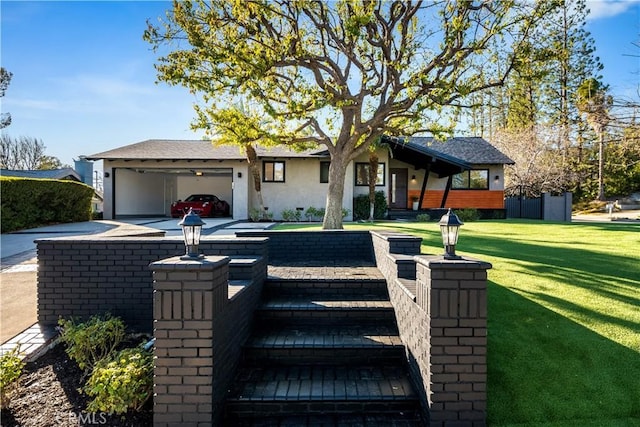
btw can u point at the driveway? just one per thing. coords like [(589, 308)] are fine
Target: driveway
[(19, 262)]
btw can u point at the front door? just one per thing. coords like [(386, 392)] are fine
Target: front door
[(398, 188)]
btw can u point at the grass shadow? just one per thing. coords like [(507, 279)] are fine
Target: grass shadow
[(546, 368)]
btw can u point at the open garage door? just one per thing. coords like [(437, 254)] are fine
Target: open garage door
[(149, 192)]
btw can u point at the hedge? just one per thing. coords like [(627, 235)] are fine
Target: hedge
[(31, 202)]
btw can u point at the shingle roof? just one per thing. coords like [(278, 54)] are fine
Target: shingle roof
[(473, 150), (469, 150), (162, 149), (65, 173)]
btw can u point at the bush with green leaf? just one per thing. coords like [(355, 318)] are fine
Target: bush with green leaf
[(28, 202), (291, 215), (93, 340), (313, 214), (254, 214), (11, 366), (121, 382), (361, 206), (423, 217), (468, 214)]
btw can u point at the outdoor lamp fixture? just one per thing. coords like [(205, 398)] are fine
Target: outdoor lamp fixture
[(191, 227), (449, 226)]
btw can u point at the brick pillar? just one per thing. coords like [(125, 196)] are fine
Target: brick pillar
[(187, 296), (453, 293)]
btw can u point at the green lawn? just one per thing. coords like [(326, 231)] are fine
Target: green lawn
[(564, 318)]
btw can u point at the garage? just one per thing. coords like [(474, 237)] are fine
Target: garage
[(150, 191)]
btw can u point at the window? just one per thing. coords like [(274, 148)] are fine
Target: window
[(471, 180), (362, 174), (324, 172), (272, 171)]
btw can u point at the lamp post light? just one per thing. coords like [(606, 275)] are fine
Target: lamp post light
[(191, 227), (449, 227)]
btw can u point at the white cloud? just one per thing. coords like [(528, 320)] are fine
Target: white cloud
[(600, 9)]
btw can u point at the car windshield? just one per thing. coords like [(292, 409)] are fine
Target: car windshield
[(200, 198)]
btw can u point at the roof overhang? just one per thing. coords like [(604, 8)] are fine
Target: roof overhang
[(422, 157)]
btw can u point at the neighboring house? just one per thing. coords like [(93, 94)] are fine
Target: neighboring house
[(144, 178), (64, 173)]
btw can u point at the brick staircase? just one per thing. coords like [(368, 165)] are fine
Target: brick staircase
[(325, 351)]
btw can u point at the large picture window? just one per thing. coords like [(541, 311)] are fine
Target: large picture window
[(362, 174), (477, 179), (272, 171)]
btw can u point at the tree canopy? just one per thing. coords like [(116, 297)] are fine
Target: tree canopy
[(340, 73)]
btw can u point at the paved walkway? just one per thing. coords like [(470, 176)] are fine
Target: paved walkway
[(19, 265)]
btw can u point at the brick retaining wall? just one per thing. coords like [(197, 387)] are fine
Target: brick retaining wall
[(83, 276), (442, 319), (325, 245), (199, 332)]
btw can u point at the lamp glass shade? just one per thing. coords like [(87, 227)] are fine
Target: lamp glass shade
[(191, 228), (449, 234), (449, 228)]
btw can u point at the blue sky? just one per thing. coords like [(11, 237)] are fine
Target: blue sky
[(83, 78)]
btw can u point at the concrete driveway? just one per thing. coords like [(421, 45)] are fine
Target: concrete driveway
[(19, 263)]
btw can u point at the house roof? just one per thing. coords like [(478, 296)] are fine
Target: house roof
[(444, 158), (65, 173), (164, 149), (471, 150)]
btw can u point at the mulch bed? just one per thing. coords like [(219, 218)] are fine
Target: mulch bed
[(48, 395)]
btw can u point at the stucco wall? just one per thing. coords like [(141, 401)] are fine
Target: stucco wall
[(302, 188)]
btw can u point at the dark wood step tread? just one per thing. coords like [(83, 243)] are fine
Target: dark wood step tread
[(313, 336), (323, 273), (401, 419), (327, 302), (323, 383)]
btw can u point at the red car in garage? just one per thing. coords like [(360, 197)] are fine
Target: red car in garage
[(205, 205)]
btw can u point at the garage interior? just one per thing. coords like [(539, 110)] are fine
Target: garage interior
[(149, 192)]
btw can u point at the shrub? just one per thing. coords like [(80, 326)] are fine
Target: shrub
[(423, 217), (468, 214), (122, 382), (89, 342), (291, 215), (345, 212), (28, 202), (11, 366), (361, 206), (254, 214), (314, 214)]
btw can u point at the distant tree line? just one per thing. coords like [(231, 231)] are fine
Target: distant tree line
[(22, 153), (554, 115)]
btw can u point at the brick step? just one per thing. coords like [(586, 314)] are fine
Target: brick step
[(312, 344), (326, 309), (315, 286), (324, 280), (370, 419), (327, 389)]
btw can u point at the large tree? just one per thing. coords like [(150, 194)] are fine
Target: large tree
[(594, 102), (340, 73)]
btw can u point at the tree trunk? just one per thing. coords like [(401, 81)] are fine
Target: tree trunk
[(333, 209), (252, 159), (601, 165), (373, 177)]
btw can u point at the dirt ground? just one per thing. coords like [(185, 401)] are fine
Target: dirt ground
[(18, 288), (48, 396)]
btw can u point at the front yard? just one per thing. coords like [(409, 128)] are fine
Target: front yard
[(564, 318)]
